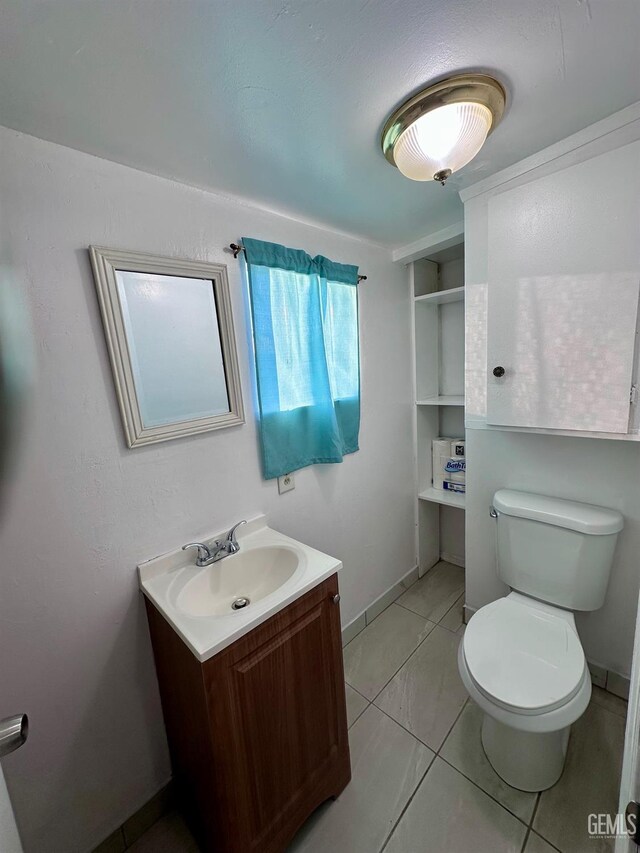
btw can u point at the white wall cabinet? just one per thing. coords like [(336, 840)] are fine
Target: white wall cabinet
[(563, 298), (552, 331)]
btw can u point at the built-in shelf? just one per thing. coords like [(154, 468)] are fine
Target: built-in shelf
[(455, 294), (448, 400), (440, 496), (436, 284)]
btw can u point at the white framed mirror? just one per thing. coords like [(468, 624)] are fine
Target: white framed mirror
[(169, 330)]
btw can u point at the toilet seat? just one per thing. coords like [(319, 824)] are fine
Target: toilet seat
[(524, 656)]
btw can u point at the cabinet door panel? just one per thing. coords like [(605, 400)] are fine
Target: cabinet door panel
[(282, 696), (285, 722), (564, 273)]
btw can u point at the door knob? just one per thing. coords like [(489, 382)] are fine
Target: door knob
[(336, 598), (498, 371), (13, 733)]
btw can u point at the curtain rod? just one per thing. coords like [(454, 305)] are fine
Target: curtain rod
[(236, 248)]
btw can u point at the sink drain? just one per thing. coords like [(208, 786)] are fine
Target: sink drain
[(239, 603)]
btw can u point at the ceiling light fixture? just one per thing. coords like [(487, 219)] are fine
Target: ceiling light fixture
[(442, 128)]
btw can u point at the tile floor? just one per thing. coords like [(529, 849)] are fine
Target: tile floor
[(421, 782)]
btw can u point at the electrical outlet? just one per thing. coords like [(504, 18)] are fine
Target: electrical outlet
[(286, 483)]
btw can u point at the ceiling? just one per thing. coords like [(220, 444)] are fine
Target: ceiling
[(283, 101)]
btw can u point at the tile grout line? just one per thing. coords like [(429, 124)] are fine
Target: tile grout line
[(435, 625), (450, 630), (355, 690), (421, 615), (535, 808), (406, 660), (529, 827), (389, 717), (437, 754), (468, 778), (451, 727), (604, 707), (404, 728), (358, 717), (486, 793), (453, 605), (410, 655), (537, 832), (408, 803), (368, 701), (431, 622)]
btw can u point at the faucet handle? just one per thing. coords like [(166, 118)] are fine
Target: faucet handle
[(231, 536), (204, 553)]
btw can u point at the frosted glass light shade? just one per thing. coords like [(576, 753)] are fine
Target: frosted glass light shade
[(447, 137)]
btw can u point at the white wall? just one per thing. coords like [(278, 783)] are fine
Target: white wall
[(85, 510), (600, 471)]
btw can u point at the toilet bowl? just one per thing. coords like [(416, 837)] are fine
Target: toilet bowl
[(522, 663), (520, 657)]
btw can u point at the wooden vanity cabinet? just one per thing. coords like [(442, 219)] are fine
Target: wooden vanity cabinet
[(257, 733)]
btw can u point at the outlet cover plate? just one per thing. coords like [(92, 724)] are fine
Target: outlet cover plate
[(286, 483)]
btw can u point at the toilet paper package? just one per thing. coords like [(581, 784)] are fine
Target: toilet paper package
[(448, 469), (441, 450), (454, 474)]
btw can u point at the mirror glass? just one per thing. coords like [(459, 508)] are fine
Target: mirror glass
[(174, 346)]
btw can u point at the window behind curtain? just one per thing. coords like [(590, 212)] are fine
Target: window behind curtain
[(305, 326)]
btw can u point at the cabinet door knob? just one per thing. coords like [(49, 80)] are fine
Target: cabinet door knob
[(498, 371), (336, 598)]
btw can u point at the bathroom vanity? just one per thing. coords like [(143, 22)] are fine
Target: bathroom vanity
[(253, 699)]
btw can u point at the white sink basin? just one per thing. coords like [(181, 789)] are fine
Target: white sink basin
[(246, 575), (270, 569)]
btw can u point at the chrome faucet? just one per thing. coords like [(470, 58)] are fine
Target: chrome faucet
[(221, 548)]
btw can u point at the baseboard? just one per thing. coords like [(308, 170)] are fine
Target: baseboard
[(378, 605), (467, 613), (140, 821), (609, 680), (451, 558)]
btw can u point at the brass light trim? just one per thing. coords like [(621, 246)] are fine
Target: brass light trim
[(474, 88)]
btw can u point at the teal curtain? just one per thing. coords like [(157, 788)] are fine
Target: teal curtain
[(305, 328)]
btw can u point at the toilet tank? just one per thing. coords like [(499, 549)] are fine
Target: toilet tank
[(555, 550)]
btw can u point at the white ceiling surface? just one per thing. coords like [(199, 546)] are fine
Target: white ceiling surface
[(283, 101)]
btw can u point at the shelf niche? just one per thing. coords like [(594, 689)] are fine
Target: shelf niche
[(438, 309)]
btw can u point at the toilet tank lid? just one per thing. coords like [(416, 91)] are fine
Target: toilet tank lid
[(585, 518)]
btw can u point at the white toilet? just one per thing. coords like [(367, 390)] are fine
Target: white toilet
[(521, 658)]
